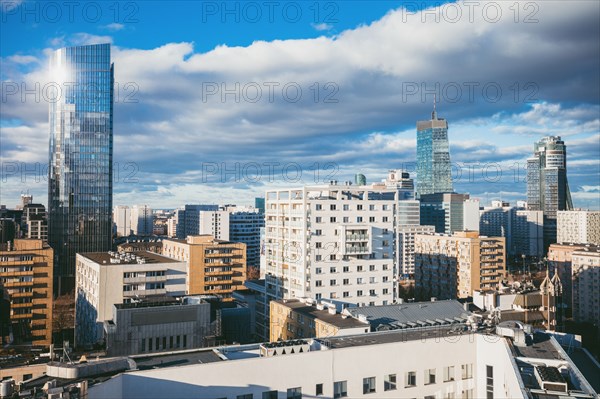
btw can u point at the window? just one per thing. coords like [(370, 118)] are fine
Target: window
[(371, 268), (385, 219), (185, 341), (318, 245), (178, 341), (332, 282), (359, 280), (389, 382), (346, 207), (171, 342), (319, 389), (467, 371), (429, 397), (331, 257), (372, 280), (411, 379), (489, 384), (449, 395), (332, 270), (385, 279), (340, 389), (317, 258), (318, 207), (246, 396), (372, 293), (143, 345), (318, 232), (385, 207), (359, 293), (346, 281), (346, 269), (467, 394), (150, 344), (385, 291), (294, 393), (359, 268), (359, 207), (449, 373), (369, 385), (318, 270), (346, 219), (429, 376), (269, 395), (318, 219), (372, 219), (346, 294), (332, 219), (371, 207), (332, 207), (359, 219)]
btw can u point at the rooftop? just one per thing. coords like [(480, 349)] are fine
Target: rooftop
[(412, 314), (334, 319), (127, 258)]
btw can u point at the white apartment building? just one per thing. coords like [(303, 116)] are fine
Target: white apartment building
[(585, 269), (443, 362), (142, 220), (406, 246), (122, 219), (333, 242), (527, 229), (107, 278), (578, 226), (471, 215)]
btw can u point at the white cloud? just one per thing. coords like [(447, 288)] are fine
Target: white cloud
[(322, 26), (114, 27)]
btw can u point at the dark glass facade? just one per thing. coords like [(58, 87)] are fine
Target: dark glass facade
[(81, 156)]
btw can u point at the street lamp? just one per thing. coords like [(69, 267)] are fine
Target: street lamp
[(523, 257)]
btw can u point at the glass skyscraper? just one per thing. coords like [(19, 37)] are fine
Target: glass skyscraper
[(433, 157), (81, 151), (547, 186)]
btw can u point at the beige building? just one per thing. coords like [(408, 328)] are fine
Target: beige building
[(213, 266), (586, 285), (559, 260), (578, 226), (26, 272), (453, 266), (295, 318)]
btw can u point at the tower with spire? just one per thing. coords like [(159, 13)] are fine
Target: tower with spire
[(433, 155), (551, 290)]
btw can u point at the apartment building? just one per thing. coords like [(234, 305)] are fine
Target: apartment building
[(122, 220), (213, 266), (560, 261), (26, 273), (406, 247), (142, 220), (578, 226), (333, 242), (449, 212), (295, 318), (453, 266), (104, 279), (586, 285)]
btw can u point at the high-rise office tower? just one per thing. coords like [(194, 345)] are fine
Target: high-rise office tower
[(81, 149), (433, 156), (547, 187)]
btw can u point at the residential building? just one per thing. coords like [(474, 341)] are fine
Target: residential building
[(547, 185), (560, 261), (122, 220), (446, 211), (434, 174), (108, 278), (142, 220), (295, 318), (189, 219), (405, 251), (401, 181), (213, 266), (471, 215), (159, 325), (408, 213), (214, 223), (508, 361), (254, 298), (80, 184), (26, 275), (332, 242), (495, 221), (453, 266), (578, 226), (586, 285)]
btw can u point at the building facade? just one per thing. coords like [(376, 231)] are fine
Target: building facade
[(406, 247), (332, 242), (26, 275), (586, 285), (35, 221), (560, 261), (108, 278), (142, 220), (80, 181), (122, 220), (434, 174), (446, 212), (453, 266), (578, 226), (547, 185), (213, 266)]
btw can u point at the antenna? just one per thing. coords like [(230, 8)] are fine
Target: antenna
[(434, 113)]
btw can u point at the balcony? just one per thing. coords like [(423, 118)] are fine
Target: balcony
[(357, 250), (218, 282), (219, 273), (161, 291), (357, 237), (143, 279)]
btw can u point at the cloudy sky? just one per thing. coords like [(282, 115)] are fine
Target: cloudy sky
[(219, 101)]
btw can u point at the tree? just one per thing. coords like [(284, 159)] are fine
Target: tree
[(63, 316), (253, 273)]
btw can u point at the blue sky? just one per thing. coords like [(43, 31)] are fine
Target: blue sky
[(220, 101)]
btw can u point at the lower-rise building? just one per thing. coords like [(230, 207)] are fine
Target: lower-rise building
[(586, 285), (406, 247), (26, 272), (453, 266)]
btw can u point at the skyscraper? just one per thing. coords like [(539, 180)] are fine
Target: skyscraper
[(81, 148), (433, 156), (547, 187)]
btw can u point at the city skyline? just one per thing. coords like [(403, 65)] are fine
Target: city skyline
[(173, 147)]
